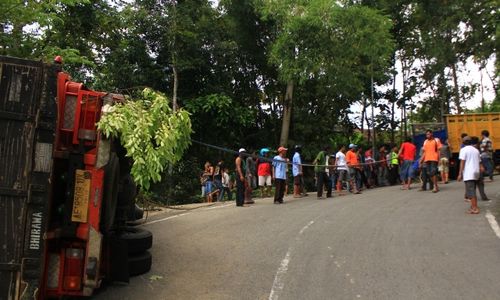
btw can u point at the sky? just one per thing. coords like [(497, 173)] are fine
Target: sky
[(467, 73)]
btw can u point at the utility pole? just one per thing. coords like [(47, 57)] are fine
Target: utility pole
[(373, 115)]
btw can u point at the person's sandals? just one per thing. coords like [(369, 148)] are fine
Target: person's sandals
[(473, 211), (435, 191)]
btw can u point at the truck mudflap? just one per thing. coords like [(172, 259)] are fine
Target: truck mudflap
[(28, 114)]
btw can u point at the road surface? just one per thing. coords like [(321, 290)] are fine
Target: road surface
[(383, 244)]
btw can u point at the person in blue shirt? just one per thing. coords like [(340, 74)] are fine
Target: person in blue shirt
[(298, 179), (279, 175)]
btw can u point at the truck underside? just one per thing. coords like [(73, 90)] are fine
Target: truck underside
[(65, 191)]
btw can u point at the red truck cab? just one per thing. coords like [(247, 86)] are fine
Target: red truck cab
[(65, 189)]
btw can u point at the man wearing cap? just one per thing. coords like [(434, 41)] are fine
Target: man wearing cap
[(279, 175), (240, 177), (354, 167)]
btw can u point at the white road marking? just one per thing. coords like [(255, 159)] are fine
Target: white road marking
[(305, 227), (183, 214), (493, 223), (164, 219), (278, 283), (218, 206)]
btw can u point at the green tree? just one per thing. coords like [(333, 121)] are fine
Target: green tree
[(153, 135), (340, 46)]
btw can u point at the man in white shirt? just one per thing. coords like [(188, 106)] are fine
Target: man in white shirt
[(470, 169), (342, 170), (298, 180)]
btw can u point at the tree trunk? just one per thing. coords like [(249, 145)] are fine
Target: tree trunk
[(374, 137), (287, 113), (368, 128), (174, 92), (456, 93), (483, 106), (393, 108), (403, 110), (363, 114)]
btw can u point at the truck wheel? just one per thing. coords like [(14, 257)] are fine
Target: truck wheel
[(138, 239), (135, 213), (110, 196), (139, 263), (128, 192)]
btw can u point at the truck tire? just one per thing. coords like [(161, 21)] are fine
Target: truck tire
[(138, 239), (128, 191), (135, 213), (139, 263), (110, 193)]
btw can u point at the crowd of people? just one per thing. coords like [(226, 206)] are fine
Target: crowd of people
[(351, 169)]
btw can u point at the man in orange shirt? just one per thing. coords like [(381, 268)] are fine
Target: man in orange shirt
[(430, 157), (354, 167)]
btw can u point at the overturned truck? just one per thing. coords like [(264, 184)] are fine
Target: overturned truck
[(66, 194)]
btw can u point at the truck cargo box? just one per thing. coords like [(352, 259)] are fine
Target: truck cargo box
[(27, 128), (472, 124)]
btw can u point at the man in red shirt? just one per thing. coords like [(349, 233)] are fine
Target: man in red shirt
[(407, 151), (430, 158)]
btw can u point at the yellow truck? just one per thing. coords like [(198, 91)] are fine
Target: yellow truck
[(452, 130), (473, 124)]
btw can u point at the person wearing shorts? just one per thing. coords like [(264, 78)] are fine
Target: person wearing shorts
[(407, 151), (298, 180), (470, 169), (430, 158), (264, 173), (444, 158)]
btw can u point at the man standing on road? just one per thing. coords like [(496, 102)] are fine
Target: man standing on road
[(279, 175), (407, 151), (430, 157), (219, 169), (250, 178), (354, 167), (343, 171), (470, 168), (240, 177), (487, 154), (320, 169), (264, 172), (298, 180), (444, 162), (393, 160), (381, 166)]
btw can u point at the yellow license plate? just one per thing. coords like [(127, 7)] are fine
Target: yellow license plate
[(81, 198)]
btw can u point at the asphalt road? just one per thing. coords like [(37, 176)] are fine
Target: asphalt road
[(382, 244)]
